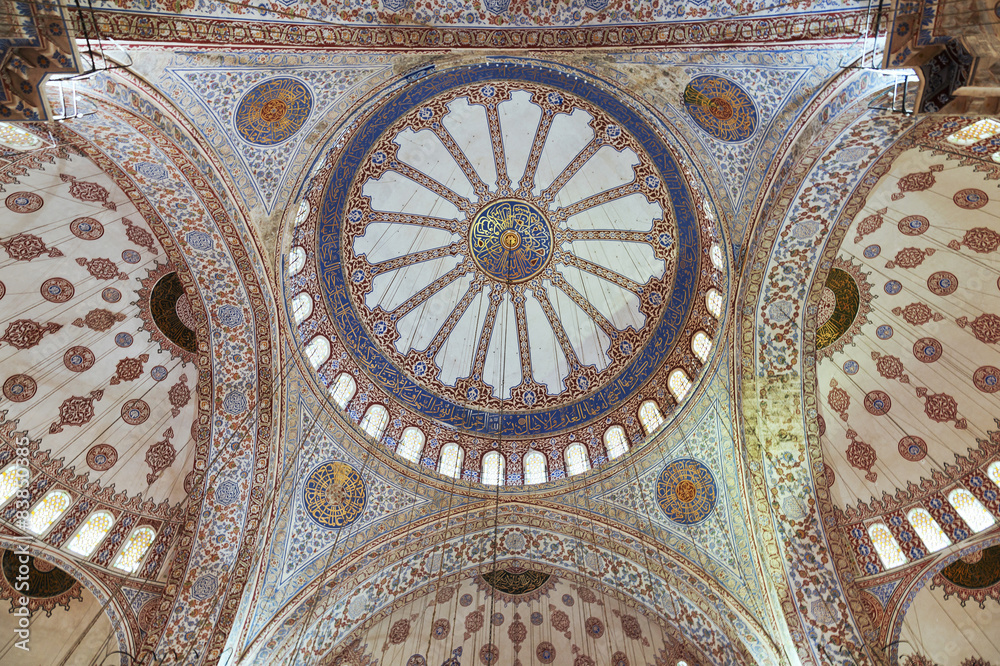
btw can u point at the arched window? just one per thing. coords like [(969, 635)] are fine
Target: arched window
[(302, 213), (534, 468), (343, 390), (928, 530), (577, 460), (972, 511), (616, 442), (996, 156), (12, 480), (302, 307), (17, 138), (993, 471), (493, 468), (679, 384), (701, 345), (135, 549), (296, 260), (411, 444), (48, 510), (974, 133), (886, 547), (450, 463), (317, 351), (87, 537), (374, 421), (713, 301), (650, 416), (716, 253)]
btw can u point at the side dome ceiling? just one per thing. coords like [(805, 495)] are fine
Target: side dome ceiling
[(507, 258)]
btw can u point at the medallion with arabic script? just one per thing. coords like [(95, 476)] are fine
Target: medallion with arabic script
[(510, 240)]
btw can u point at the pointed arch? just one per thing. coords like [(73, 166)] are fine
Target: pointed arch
[(343, 389), (493, 468), (577, 459), (650, 416), (615, 442), (534, 468), (451, 460), (411, 444)]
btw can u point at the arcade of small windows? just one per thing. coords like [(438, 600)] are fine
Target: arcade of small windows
[(974, 133), (927, 528)]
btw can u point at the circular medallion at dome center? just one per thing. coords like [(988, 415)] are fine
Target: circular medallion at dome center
[(510, 240)]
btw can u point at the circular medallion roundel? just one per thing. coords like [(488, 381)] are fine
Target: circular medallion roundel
[(19, 388), (86, 228), (57, 290), (987, 379), (971, 199), (24, 202), (78, 359), (273, 111), (102, 457), (927, 350), (334, 494), (912, 448), (544, 276), (686, 491), (721, 107)]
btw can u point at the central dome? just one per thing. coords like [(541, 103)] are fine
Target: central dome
[(507, 252)]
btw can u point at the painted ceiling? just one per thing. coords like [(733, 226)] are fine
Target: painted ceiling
[(513, 255)]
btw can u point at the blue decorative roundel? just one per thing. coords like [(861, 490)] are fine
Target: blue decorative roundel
[(686, 491), (721, 107), (273, 111), (334, 494), (511, 241)]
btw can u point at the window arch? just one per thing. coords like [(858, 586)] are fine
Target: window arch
[(450, 463), (615, 442), (972, 511), (716, 254), (928, 530), (493, 468), (701, 345), (534, 468), (17, 138), (713, 301), (343, 389), (679, 384), (411, 444), (993, 471), (375, 420), (12, 480), (93, 531), (650, 416), (135, 549), (318, 351), (296, 260), (577, 460), (974, 133), (302, 213), (302, 307), (885, 545), (48, 510)]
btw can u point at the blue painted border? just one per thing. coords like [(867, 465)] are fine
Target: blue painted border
[(420, 400)]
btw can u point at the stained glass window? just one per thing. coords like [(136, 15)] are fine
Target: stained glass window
[(317, 351), (679, 384), (534, 468), (12, 479), (885, 545), (493, 468), (135, 549), (302, 213), (993, 471), (713, 301), (577, 460), (14, 137), (701, 345), (650, 416), (375, 420), (972, 511), (343, 390), (296, 260), (302, 307), (976, 132), (451, 460), (616, 442), (411, 444), (96, 528), (716, 253), (46, 511), (928, 530)]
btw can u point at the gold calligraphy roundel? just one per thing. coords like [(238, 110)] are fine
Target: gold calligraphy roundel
[(335, 494)]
